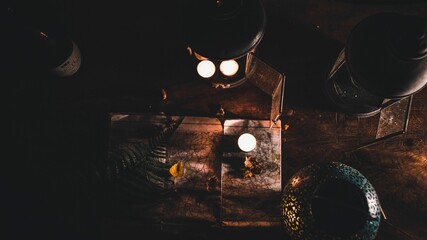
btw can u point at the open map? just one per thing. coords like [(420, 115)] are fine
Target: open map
[(184, 170)]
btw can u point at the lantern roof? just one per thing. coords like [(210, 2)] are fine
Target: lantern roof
[(387, 54), (223, 29)]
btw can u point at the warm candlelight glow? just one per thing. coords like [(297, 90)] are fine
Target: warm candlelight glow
[(246, 142), (206, 69), (229, 68)]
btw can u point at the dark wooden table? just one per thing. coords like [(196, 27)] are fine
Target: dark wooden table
[(57, 128)]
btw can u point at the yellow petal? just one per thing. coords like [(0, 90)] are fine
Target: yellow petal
[(177, 170)]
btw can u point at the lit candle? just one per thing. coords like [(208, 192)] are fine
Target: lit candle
[(246, 142), (206, 69), (229, 67)]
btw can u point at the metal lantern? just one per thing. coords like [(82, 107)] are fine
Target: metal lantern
[(330, 201), (220, 35), (384, 61)]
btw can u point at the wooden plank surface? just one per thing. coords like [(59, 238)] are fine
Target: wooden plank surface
[(58, 127)]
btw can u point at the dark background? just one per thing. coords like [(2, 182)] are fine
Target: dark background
[(56, 129)]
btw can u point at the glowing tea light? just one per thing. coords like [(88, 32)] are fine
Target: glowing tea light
[(246, 142), (206, 69), (229, 67)]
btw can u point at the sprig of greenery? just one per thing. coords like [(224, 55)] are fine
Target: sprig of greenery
[(140, 169)]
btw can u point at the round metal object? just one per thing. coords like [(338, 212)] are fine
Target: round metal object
[(330, 201), (223, 30), (386, 54)]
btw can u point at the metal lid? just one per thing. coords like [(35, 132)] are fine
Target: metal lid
[(387, 54), (223, 29)]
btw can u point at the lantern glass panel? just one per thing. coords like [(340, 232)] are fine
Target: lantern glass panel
[(270, 81), (394, 118)]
